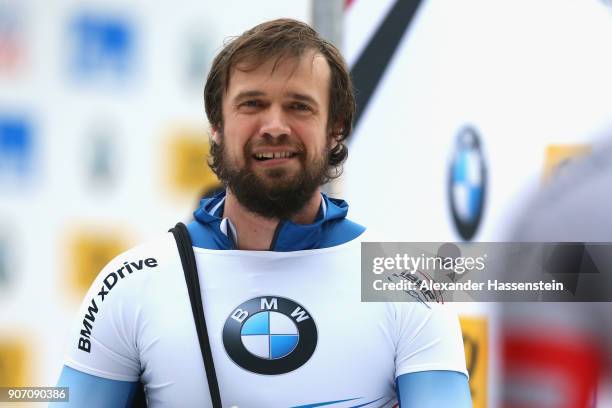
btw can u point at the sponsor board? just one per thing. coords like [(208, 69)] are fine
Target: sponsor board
[(12, 38), (558, 156), (467, 182), (15, 361), (103, 45), (186, 153), (476, 344), (89, 251), (16, 147)]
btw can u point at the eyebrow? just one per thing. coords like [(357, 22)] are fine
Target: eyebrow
[(304, 98), (247, 94)]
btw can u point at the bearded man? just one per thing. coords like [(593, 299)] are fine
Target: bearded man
[(278, 262)]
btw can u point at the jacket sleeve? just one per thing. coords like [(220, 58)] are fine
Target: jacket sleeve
[(422, 390), (85, 390)]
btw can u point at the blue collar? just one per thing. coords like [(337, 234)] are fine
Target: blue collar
[(330, 228)]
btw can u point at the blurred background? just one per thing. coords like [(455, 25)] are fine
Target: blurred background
[(466, 109)]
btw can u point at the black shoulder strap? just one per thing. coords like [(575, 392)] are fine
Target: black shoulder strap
[(183, 242)]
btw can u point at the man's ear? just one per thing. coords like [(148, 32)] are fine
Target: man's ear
[(334, 139), (335, 135), (215, 135)]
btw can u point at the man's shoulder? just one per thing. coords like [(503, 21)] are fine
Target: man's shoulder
[(161, 246), (136, 264), (109, 321)]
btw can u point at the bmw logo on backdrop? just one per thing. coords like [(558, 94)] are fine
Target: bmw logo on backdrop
[(467, 182), (270, 335)]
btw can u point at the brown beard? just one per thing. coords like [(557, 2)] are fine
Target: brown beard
[(280, 196)]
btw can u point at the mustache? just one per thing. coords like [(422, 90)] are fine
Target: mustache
[(274, 142)]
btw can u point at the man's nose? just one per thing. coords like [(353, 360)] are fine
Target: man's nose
[(275, 123)]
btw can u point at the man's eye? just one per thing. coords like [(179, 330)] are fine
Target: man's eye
[(250, 104), (300, 106)]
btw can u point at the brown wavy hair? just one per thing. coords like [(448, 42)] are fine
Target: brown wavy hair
[(280, 39)]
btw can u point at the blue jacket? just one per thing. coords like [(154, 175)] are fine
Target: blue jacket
[(330, 228)]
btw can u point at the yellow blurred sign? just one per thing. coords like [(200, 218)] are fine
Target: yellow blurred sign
[(88, 252), (15, 362), (476, 344), (187, 156), (557, 156)]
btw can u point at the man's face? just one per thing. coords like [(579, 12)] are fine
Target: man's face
[(274, 142)]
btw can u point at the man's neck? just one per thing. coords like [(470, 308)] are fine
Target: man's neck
[(256, 232)]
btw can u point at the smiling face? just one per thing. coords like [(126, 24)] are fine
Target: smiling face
[(274, 143)]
